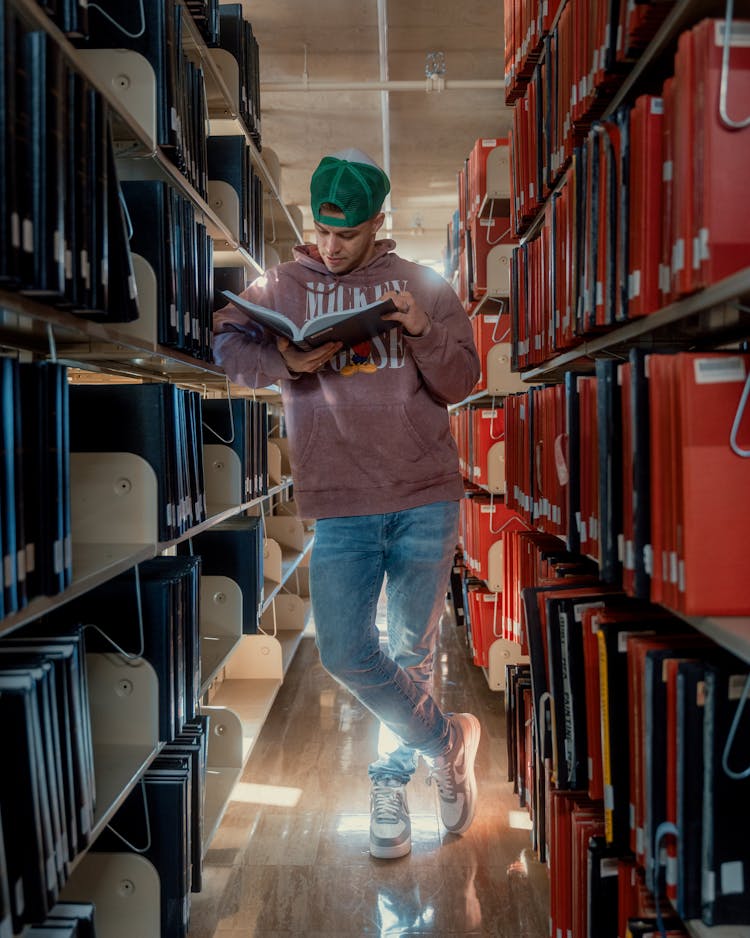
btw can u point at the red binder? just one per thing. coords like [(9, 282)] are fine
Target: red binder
[(715, 508), (646, 199), (722, 153)]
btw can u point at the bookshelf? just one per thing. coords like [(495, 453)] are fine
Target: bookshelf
[(712, 317), (115, 499)]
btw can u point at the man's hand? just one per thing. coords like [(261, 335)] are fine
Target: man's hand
[(412, 317), (306, 362)]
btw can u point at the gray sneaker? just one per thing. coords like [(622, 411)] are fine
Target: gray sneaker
[(390, 827), (453, 774)]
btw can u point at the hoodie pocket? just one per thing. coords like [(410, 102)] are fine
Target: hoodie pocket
[(356, 445)]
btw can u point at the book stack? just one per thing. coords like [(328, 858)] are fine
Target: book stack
[(179, 86), (168, 236), (35, 523), (51, 789), (158, 422), (63, 237)]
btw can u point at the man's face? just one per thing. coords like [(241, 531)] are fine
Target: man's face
[(344, 249)]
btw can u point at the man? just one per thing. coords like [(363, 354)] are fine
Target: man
[(374, 463)]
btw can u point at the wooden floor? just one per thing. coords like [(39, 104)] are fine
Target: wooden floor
[(291, 855)]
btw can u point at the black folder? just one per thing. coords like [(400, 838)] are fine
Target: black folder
[(51, 730), (572, 419), (229, 162), (602, 889), (6, 919), (726, 820), (690, 774), (609, 435), (11, 536), (615, 721), (155, 44), (31, 874), (640, 484), (234, 549), (167, 808), (139, 419), (67, 653), (230, 422)]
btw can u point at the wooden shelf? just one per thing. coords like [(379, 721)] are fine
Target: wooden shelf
[(699, 930), (708, 318)]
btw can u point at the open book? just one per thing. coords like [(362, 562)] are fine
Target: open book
[(348, 326)]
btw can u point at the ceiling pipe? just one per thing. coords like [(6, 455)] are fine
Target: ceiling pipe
[(385, 118), (425, 84)]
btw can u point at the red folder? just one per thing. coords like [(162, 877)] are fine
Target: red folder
[(721, 151), (715, 509), (645, 204)]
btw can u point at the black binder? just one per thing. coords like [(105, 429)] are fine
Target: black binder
[(602, 889), (230, 423), (140, 419), (609, 435), (68, 653), (31, 875), (234, 549), (726, 820)]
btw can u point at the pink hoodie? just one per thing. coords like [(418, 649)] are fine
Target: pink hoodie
[(366, 443)]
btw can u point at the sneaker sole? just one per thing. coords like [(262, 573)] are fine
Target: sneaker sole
[(471, 742), (390, 853)]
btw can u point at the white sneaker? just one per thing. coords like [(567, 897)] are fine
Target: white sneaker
[(390, 827), (454, 774)]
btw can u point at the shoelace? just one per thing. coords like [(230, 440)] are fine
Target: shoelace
[(387, 803), (445, 780)]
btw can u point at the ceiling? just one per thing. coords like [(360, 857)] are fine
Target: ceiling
[(430, 133)]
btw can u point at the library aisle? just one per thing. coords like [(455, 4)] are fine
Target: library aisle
[(291, 855)]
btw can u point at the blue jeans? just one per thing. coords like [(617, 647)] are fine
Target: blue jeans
[(413, 550)]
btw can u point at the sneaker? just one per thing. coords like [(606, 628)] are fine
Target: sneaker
[(454, 774), (390, 827)]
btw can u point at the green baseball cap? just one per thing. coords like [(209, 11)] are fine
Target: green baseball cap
[(351, 181)]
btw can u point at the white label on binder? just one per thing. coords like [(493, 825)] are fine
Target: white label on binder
[(634, 284), (609, 798), (173, 315), (599, 293), (657, 105), (608, 866), (719, 370), (15, 230), (703, 240), (579, 608), (30, 558), (629, 555), (678, 255), (739, 35), (696, 252), (85, 268), (666, 171), (735, 686), (27, 235), (708, 887), (489, 414)]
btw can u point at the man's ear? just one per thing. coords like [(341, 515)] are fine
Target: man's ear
[(377, 222)]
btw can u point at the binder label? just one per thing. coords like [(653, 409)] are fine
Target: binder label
[(27, 231), (736, 686), (739, 34), (732, 878), (719, 370)]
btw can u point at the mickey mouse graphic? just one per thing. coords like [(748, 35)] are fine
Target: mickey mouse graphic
[(360, 360)]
